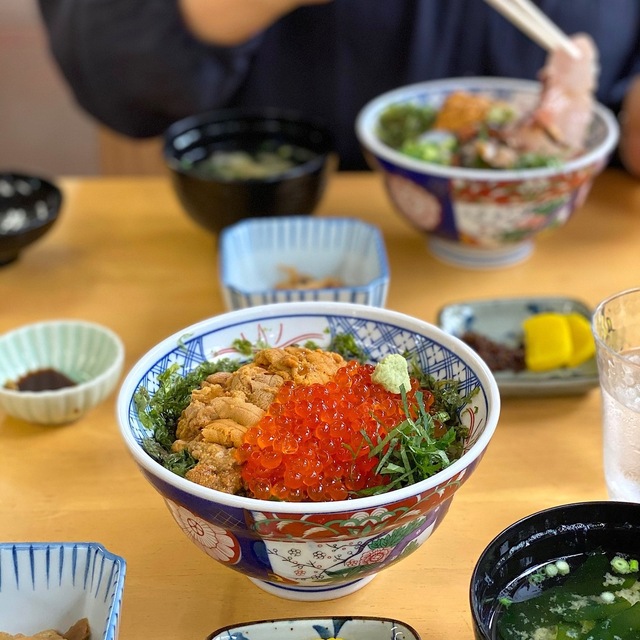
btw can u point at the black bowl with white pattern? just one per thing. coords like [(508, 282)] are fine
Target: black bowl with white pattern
[(29, 206)]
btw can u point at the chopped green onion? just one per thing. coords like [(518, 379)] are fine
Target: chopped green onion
[(551, 570), (620, 565)]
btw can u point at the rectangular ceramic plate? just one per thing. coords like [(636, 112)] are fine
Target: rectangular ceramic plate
[(344, 627), (501, 321)]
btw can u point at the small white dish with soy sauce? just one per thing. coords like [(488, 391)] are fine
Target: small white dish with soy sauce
[(499, 324), (53, 372)]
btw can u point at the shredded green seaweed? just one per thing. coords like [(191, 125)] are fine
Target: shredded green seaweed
[(345, 344)]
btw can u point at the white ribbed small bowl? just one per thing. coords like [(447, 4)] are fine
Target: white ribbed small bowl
[(90, 354)]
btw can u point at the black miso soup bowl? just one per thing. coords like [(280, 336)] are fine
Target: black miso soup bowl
[(556, 533), (215, 203)]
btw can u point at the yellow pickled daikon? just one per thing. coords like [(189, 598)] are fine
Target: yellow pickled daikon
[(547, 341), (584, 346), (553, 340)]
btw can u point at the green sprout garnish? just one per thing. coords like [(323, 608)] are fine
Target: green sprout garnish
[(411, 451), (243, 346), (247, 348)]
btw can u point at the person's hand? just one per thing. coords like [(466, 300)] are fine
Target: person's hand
[(629, 145)]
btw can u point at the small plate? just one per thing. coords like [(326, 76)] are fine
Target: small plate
[(343, 627), (501, 320)]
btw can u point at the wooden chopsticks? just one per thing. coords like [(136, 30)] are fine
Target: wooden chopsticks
[(533, 22)]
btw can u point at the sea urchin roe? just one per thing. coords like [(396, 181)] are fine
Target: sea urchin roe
[(314, 441)]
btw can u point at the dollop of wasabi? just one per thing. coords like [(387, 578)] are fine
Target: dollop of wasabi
[(392, 372)]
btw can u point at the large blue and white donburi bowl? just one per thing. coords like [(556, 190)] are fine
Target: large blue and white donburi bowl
[(320, 550)]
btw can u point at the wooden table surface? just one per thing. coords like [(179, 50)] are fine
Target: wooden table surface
[(124, 254)]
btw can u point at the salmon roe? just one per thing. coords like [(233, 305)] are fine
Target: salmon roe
[(313, 442)]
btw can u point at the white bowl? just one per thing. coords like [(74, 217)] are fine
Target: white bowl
[(312, 550), (482, 218), (52, 585), (89, 354), (253, 252)]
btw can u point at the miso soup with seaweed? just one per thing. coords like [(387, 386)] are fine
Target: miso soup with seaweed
[(593, 596)]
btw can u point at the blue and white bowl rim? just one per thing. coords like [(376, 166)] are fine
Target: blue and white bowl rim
[(288, 309), (367, 119)]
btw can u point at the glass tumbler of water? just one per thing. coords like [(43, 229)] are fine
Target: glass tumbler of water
[(616, 328)]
